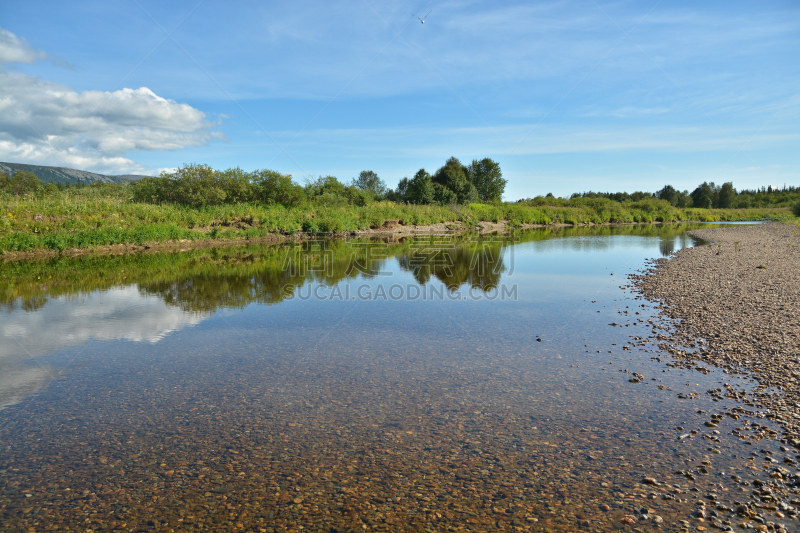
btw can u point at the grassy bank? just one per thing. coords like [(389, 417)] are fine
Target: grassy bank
[(98, 216)]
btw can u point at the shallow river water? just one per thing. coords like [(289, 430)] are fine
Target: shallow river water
[(486, 383)]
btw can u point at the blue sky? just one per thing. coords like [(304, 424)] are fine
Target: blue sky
[(567, 96)]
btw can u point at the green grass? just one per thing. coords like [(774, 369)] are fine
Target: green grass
[(90, 217)]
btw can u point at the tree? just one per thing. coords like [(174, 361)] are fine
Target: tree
[(703, 196), (358, 197), (367, 180), (453, 176), (401, 192), (420, 188), (197, 186), (669, 194), (274, 187), (151, 190), (470, 195), (487, 178), (683, 200), (324, 185), (443, 196), (726, 196), (237, 184), (21, 183)]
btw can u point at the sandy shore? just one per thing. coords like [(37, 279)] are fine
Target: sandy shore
[(735, 303)]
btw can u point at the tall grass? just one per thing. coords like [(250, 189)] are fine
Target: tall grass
[(97, 216)]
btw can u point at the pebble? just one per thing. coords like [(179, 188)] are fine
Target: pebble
[(725, 309)]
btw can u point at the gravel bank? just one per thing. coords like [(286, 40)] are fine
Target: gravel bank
[(737, 301)]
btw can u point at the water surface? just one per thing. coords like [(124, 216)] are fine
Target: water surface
[(436, 383)]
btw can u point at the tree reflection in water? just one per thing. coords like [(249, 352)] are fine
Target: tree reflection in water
[(203, 280)]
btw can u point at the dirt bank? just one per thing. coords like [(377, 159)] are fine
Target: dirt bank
[(739, 298), (392, 229)]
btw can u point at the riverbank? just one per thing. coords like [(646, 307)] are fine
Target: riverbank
[(23, 245), (735, 303), (391, 231), (109, 221)]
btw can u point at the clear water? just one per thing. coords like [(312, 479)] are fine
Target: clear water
[(448, 383)]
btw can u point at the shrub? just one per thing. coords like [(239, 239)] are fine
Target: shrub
[(443, 196), (274, 187), (198, 186), (324, 185), (152, 190), (193, 185), (20, 184), (359, 197), (331, 199), (796, 209)]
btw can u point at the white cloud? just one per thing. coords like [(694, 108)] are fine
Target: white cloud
[(47, 123), (15, 49)]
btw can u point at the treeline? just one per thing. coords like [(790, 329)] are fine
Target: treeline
[(453, 184), (23, 182), (197, 186), (203, 186), (705, 196)]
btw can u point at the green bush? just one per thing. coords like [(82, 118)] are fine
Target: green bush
[(359, 197), (324, 185), (330, 192), (202, 186), (274, 187), (443, 196), (796, 209), (331, 199), (152, 190), (20, 184), (199, 186)]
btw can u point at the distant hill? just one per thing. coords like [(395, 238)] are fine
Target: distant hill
[(65, 175)]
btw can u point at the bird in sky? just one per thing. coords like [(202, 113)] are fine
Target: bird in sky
[(422, 20)]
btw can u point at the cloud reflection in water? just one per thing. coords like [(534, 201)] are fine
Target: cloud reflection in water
[(120, 313)]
